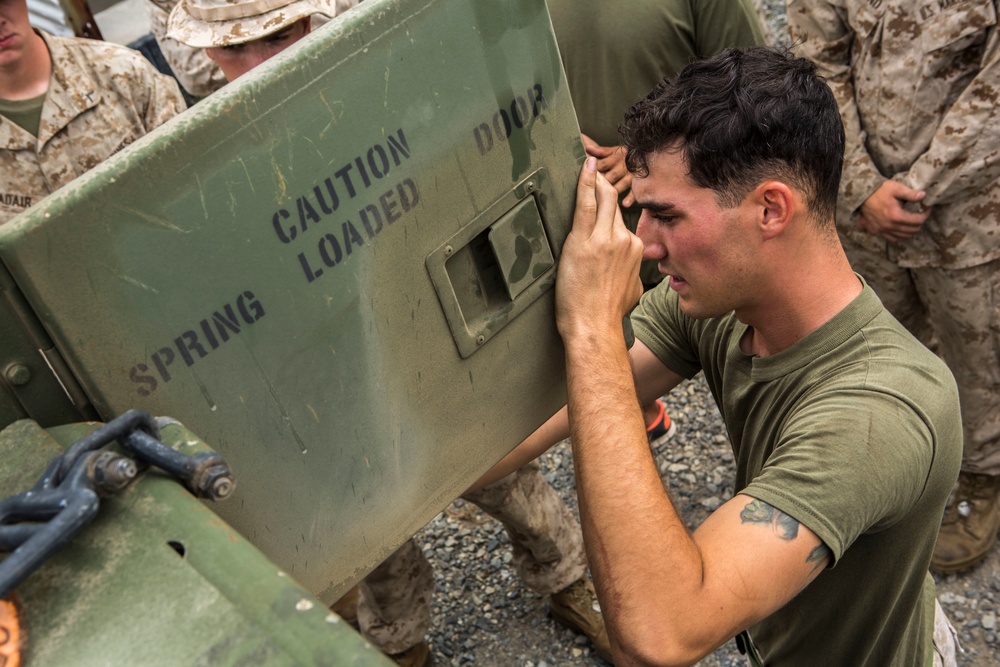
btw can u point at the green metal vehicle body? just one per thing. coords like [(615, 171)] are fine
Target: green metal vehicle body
[(337, 271)]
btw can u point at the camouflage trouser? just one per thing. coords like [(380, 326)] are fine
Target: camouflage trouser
[(394, 603), (956, 312), (393, 610), (945, 639)]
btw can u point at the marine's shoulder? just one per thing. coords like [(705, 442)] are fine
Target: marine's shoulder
[(98, 56)]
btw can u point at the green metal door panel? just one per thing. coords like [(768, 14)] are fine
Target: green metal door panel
[(159, 580), (259, 267), (28, 386)]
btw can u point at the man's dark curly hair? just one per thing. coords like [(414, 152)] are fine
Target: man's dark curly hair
[(742, 117)]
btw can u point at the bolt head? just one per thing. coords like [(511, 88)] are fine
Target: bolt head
[(222, 487), (17, 374), (218, 483)]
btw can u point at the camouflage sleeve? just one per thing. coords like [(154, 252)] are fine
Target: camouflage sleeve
[(821, 33), (165, 100), (132, 80), (964, 155)]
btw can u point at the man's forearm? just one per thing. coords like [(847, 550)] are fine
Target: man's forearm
[(552, 432), (636, 543)]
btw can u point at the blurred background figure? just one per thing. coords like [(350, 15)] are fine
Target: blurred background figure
[(917, 86), (198, 74)]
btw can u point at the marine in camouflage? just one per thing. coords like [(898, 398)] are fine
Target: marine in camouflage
[(196, 72), (917, 85), (219, 23), (101, 98)]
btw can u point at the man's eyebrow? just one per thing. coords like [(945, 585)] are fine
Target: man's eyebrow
[(656, 206)]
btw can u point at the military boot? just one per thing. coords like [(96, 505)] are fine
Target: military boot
[(576, 608), (970, 524), (347, 607), (418, 655)]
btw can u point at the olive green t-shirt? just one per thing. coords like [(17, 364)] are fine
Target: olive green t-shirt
[(26, 114), (855, 432), (614, 53)]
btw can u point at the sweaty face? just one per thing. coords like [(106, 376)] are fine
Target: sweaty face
[(706, 251), (238, 59)]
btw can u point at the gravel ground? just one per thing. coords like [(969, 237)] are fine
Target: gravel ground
[(483, 615), (482, 612)]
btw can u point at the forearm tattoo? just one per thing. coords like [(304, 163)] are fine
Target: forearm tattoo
[(787, 528)]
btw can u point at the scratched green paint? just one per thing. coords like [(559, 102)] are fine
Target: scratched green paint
[(326, 373)]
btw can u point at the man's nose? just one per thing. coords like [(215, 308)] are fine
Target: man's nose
[(652, 247)]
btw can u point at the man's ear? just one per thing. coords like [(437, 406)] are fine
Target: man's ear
[(774, 203)]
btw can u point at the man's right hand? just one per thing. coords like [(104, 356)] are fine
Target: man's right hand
[(597, 283), (883, 213)]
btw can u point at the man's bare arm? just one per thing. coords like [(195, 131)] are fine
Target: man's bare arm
[(670, 597), (652, 380)]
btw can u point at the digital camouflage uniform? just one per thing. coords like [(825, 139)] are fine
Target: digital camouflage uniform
[(774, 35), (101, 98), (196, 72), (917, 81), (547, 543)]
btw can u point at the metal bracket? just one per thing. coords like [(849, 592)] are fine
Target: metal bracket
[(495, 267), (37, 523)]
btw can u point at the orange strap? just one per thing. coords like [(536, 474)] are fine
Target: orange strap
[(10, 633)]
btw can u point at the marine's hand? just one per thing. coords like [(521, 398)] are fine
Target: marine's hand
[(611, 164), (883, 213), (598, 278)]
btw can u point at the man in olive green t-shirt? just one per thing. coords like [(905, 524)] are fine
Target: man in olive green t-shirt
[(845, 430)]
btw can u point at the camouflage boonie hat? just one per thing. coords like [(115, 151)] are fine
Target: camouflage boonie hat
[(215, 23)]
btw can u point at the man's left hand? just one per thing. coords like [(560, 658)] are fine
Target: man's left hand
[(611, 164)]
